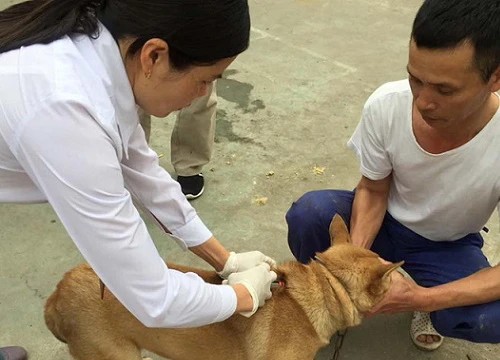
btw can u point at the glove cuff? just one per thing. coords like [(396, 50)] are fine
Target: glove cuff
[(231, 266), (255, 299)]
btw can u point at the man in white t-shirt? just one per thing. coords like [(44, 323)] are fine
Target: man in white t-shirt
[(429, 151)]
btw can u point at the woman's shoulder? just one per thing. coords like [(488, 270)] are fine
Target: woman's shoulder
[(60, 70)]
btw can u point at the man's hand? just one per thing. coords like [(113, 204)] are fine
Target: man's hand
[(403, 295), (244, 261)]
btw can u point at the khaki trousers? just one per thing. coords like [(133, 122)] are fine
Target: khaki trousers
[(193, 134)]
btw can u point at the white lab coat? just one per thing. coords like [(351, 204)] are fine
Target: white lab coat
[(70, 135)]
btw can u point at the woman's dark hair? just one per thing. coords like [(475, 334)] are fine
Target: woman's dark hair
[(198, 32), (445, 24)]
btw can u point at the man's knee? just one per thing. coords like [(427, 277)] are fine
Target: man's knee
[(319, 206), (304, 211), (478, 323), (309, 219)]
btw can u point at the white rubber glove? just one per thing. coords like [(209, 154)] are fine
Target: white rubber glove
[(258, 282), (244, 261)]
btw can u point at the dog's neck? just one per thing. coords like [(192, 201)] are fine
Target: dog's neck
[(351, 315), (329, 306)]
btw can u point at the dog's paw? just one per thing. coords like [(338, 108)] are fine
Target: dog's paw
[(146, 358)]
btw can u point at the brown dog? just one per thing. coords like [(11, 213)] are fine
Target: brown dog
[(315, 301)]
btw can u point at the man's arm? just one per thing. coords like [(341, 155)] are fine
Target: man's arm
[(368, 210), (404, 295), (478, 288)]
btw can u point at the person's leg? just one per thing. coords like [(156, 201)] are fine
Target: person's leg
[(309, 220), (478, 323), (193, 135), (192, 142), (429, 263), (13, 353), (434, 263), (398, 238)]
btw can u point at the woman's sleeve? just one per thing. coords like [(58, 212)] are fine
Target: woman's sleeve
[(153, 187)]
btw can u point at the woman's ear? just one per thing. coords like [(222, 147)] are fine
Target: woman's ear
[(154, 53)]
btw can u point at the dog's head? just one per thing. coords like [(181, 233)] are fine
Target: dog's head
[(360, 271)]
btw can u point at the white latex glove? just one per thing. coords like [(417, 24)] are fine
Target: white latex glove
[(258, 282), (244, 261)]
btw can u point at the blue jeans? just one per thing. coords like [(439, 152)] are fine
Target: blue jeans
[(429, 263)]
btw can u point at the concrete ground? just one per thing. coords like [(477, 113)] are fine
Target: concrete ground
[(287, 105)]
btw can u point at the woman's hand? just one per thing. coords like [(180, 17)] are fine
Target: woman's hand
[(226, 263), (257, 283), (244, 261)]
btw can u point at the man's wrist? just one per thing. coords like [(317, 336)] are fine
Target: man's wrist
[(424, 299), (365, 243)]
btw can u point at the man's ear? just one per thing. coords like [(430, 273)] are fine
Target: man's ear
[(495, 80), (338, 231), (385, 270)]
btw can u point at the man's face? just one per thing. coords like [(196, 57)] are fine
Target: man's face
[(447, 87)]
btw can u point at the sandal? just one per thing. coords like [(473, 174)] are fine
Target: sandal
[(421, 325)]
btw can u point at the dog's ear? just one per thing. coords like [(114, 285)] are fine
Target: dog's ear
[(385, 270), (379, 283), (338, 231)]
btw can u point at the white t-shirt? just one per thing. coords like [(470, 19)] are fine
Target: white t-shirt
[(70, 135), (443, 196)]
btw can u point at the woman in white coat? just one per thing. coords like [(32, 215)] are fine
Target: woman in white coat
[(72, 73)]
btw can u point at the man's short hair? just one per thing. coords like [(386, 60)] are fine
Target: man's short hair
[(445, 24)]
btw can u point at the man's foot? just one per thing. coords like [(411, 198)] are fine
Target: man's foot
[(192, 186), (423, 334), (13, 353)]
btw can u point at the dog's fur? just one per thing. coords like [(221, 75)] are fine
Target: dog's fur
[(317, 300)]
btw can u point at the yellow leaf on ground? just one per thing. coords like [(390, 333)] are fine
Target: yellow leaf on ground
[(317, 170), (260, 200)]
